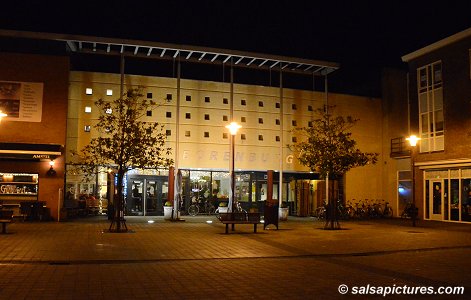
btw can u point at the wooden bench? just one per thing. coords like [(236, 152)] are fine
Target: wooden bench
[(239, 218), (6, 216)]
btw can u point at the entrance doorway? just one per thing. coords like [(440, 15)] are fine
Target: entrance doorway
[(146, 195), (436, 196)]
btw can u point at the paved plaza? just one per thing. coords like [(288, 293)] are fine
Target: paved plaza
[(194, 259)]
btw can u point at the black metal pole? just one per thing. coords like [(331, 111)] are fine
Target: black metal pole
[(232, 172)]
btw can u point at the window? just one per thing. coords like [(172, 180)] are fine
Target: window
[(224, 135), (225, 101), (294, 139), (277, 138), (169, 97), (149, 95), (168, 114), (188, 115), (109, 92), (242, 119), (88, 91), (294, 123), (206, 134), (206, 117), (277, 105), (109, 111), (260, 103), (188, 98), (88, 109), (207, 100), (149, 113), (309, 108), (293, 106), (168, 132), (87, 128), (225, 118), (260, 120), (243, 137), (243, 102), (277, 122), (260, 137), (431, 122), (187, 133), (309, 124)]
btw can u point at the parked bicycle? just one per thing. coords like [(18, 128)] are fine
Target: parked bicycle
[(200, 206)]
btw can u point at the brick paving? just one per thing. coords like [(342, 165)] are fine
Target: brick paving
[(196, 260)]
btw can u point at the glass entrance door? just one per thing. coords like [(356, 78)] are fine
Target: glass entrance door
[(146, 195), (436, 194)]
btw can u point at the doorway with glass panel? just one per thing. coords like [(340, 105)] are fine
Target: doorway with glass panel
[(436, 199), (146, 195)]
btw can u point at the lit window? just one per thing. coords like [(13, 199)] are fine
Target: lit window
[(88, 109), (88, 91), (225, 101), (187, 133), (109, 111), (206, 134), (87, 128), (224, 135), (206, 117), (109, 92)]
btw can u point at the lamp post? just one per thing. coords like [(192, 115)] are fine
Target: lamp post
[(413, 143), (233, 128), (2, 115)]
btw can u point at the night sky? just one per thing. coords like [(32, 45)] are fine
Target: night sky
[(363, 36)]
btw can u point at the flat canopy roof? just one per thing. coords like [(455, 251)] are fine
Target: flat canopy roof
[(193, 54), (29, 151)]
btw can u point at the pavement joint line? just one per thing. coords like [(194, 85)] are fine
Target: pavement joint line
[(165, 260)]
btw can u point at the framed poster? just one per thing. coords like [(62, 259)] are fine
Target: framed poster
[(21, 101)]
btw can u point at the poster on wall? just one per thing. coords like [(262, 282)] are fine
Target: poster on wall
[(21, 101)]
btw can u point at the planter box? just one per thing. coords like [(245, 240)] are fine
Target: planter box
[(283, 213), (222, 209), (168, 212)]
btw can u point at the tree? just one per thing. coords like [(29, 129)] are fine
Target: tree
[(124, 141), (330, 150)]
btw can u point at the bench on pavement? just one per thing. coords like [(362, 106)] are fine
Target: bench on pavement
[(6, 216), (239, 218)]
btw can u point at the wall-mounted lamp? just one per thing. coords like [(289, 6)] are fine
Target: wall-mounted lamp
[(2, 115), (51, 171)]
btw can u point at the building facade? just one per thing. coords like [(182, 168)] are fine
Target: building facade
[(439, 96)]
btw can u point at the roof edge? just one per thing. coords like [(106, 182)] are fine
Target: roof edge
[(437, 45)]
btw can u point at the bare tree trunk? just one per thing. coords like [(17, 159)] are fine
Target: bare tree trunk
[(118, 223)]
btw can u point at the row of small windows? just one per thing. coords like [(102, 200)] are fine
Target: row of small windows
[(243, 136), (243, 102)]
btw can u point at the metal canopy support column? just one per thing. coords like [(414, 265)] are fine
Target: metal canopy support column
[(231, 205), (176, 201), (280, 184)]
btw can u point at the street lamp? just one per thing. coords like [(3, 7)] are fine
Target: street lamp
[(413, 143), (2, 115), (233, 128)]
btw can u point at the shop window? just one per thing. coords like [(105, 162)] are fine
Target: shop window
[(206, 117), (149, 95), (242, 119), (243, 137), (187, 133), (260, 103), (206, 134), (225, 118), (89, 91), (260, 137), (224, 135), (168, 114), (207, 99), (87, 128), (188, 98), (188, 115), (225, 101), (88, 109), (243, 102), (260, 120), (168, 132), (149, 113), (109, 92)]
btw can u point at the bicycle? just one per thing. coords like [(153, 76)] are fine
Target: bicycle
[(205, 206)]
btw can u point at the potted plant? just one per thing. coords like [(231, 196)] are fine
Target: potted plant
[(284, 210), (222, 207), (168, 208)]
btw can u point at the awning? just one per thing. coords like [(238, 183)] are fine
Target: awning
[(29, 151)]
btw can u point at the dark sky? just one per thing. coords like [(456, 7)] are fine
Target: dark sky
[(363, 36)]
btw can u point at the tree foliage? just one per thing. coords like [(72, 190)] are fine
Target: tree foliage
[(328, 147)]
